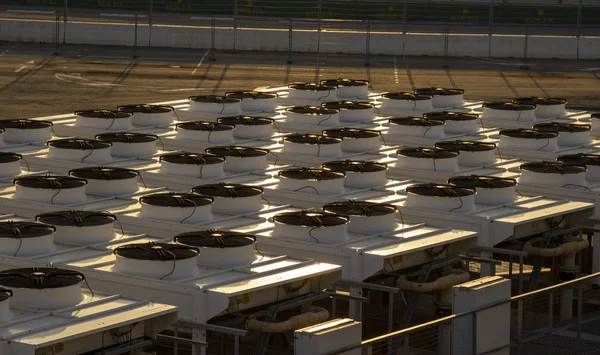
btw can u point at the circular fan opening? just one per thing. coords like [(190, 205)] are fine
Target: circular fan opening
[(551, 167), (103, 114), (358, 166), (528, 133), (79, 144), (311, 219), (311, 174), (415, 121), (488, 182), (427, 153), (156, 251), (470, 146), (440, 190), (359, 208), (215, 239), (76, 218), (351, 133), (104, 173), (126, 137), (182, 200), (143, 108), (237, 151), (50, 182), (191, 158)]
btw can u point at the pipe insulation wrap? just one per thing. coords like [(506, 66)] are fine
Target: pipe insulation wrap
[(451, 277), (567, 248), (311, 315)]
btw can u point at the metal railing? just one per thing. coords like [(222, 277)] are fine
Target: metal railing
[(568, 17), (562, 319)]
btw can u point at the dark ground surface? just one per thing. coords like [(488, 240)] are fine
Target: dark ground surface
[(34, 82)]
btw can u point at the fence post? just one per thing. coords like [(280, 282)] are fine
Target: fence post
[(520, 325), (491, 27), (135, 37), (446, 44), (65, 24), (212, 39), (150, 11), (368, 45), (525, 66), (579, 318), (289, 60), (235, 9), (550, 320), (579, 10), (57, 35)]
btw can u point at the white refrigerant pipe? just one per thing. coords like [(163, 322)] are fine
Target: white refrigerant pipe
[(567, 251), (310, 315), (442, 286)]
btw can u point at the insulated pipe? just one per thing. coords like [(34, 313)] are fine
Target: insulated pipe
[(567, 268), (564, 249), (443, 287), (311, 315), (452, 277)]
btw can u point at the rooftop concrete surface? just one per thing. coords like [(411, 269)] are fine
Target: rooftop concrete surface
[(35, 82)]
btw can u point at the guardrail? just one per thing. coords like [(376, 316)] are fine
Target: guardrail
[(492, 17), (556, 323)]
